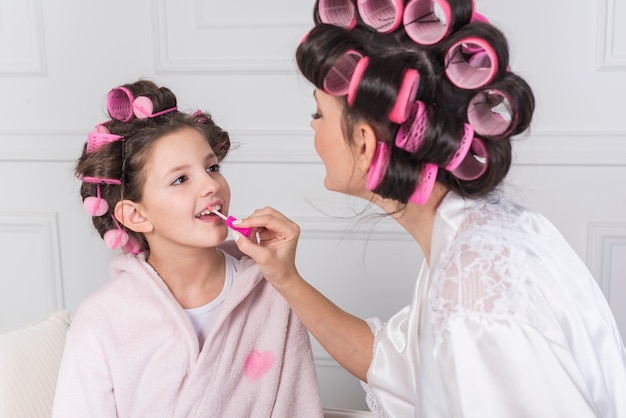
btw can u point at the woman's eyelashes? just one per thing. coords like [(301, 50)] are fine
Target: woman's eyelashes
[(316, 115)]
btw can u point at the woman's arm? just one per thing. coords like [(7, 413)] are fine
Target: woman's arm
[(345, 337)]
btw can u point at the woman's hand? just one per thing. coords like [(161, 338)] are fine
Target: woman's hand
[(347, 338), (275, 249)]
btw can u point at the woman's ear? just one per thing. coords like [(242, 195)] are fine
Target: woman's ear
[(365, 145), (129, 214)]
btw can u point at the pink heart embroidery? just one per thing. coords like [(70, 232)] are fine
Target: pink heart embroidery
[(257, 364)]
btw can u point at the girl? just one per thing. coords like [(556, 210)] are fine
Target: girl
[(416, 108), (182, 329)]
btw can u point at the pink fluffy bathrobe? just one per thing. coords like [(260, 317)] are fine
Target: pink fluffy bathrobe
[(132, 351)]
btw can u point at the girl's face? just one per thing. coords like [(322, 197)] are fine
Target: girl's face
[(182, 178), (331, 145)]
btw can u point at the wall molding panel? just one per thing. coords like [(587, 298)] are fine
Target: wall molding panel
[(22, 50), (611, 54), (31, 249), (197, 36), (603, 239)]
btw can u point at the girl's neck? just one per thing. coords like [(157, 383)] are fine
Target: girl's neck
[(194, 279), (417, 220)]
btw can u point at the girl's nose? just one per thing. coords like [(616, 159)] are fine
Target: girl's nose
[(209, 185)]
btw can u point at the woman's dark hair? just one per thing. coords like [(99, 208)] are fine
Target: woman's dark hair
[(125, 159), (390, 55)]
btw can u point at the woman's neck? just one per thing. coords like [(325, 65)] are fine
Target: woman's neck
[(417, 220)]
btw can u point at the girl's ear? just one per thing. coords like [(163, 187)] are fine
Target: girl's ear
[(129, 214), (365, 145)]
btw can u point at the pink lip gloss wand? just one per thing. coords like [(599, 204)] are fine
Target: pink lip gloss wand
[(229, 222)]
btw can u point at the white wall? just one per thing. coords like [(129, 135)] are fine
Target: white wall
[(58, 59)]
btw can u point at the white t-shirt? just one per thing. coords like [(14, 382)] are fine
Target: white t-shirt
[(203, 317)]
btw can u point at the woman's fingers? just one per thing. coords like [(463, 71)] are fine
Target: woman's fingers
[(275, 249)]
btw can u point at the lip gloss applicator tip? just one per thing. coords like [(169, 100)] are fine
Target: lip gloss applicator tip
[(229, 222)]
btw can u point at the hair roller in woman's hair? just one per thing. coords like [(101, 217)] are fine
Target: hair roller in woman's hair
[(411, 132), (425, 184), (464, 147), (491, 113), (406, 95), (380, 162), (383, 15), (337, 12), (474, 164), (357, 75), (471, 63), (337, 79)]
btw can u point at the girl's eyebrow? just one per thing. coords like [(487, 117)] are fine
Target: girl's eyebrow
[(182, 167)]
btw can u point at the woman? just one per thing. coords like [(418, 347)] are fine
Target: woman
[(416, 109)]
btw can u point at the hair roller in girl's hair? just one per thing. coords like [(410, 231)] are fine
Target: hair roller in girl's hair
[(115, 238), (461, 153), (99, 137), (337, 12), (383, 15), (122, 105), (357, 75)]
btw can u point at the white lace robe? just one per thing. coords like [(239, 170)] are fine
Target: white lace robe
[(507, 323)]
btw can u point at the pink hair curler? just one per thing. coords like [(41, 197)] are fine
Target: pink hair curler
[(412, 131), (99, 137), (471, 63), (406, 96), (96, 180), (379, 165), (337, 12), (491, 113), (95, 206), (475, 163), (478, 18), (122, 105), (464, 147), (425, 184), (115, 238), (383, 15), (427, 22), (132, 246), (337, 80), (357, 75)]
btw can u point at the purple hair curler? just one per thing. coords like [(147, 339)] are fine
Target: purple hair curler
[(411, 133), (337, 80), (406, 96), (122, 105), (474, 164), (425, 184), (383, 15), (471, 63), (337, 12), (379, 165), (491, 113), (427, 22)]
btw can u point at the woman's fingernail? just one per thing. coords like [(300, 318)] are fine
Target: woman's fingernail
[(236, 221)]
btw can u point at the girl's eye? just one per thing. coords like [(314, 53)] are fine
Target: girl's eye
[(180, 180), (316, 115), (215, 168)]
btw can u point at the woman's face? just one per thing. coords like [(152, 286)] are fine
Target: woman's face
[(182, 178), (331, 145)]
